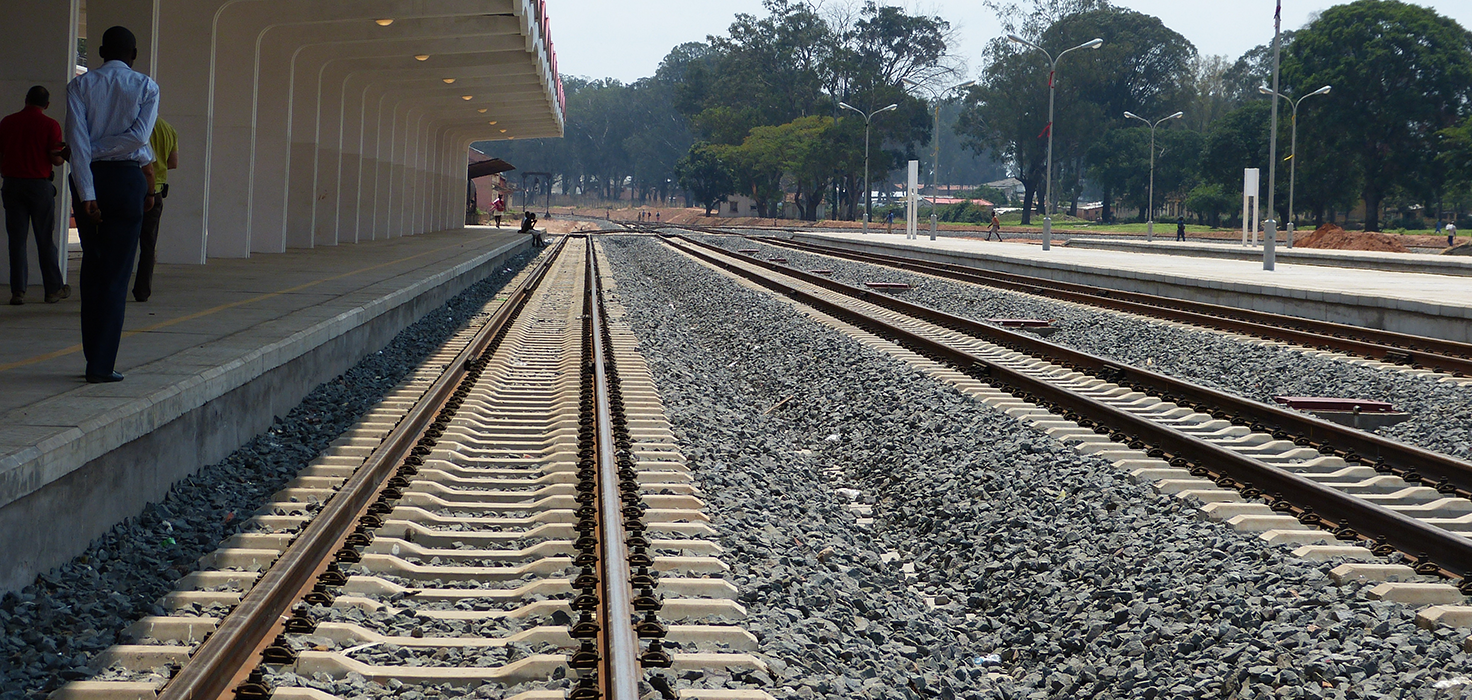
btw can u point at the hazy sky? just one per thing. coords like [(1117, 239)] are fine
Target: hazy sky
[(626, 40)]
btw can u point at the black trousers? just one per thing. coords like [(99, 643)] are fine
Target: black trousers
[(108, 248), (147, 248), (31, 202)]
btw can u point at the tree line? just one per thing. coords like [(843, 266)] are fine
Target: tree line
[(756, 111)]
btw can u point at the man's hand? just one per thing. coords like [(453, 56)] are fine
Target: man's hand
[(89, 208), (149, 201)]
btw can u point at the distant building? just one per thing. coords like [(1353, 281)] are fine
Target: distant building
[(1011, 185), (736, 205), (488, 187), (978, 201)]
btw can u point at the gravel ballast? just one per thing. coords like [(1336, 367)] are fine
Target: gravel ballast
[(50, 630), (1054, 574), (1440, 412)]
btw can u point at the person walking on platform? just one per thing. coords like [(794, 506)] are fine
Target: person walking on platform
[(1181, 227), (111, 111), (995, 229), (30, 146), (165, 145), (498, 209), (1451, 234)]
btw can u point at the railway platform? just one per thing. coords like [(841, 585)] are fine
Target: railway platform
[(211, 359), (1421, 303), (1232, 250)]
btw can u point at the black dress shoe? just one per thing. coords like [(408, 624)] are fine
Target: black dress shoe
[(105, 378)]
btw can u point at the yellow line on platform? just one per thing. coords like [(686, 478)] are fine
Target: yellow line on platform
[(207, 312)]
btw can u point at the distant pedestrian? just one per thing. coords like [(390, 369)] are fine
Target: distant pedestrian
[(656, 217), (111, 111), (30, 146), (995, 229), (1180, 228), (165, 145), (498, 209), (1451, 234), (889, 219)]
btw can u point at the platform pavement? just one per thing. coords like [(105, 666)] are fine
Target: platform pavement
[(1433, 263), (210, 359), (1408, 302)]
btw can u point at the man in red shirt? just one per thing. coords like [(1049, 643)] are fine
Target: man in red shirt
[(30, 145)]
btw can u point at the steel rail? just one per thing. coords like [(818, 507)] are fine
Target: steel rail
[(1373, 522), (621, 660), (1446, 356), (233, 645), (1415, 465)]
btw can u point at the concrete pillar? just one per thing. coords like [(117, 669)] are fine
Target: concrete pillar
[(486, 65), (188, 38), (39, 47)]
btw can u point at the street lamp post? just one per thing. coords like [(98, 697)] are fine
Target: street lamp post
[(868, 119), (1293, 157), (1150, 220), (935, 141), (1048, 181)]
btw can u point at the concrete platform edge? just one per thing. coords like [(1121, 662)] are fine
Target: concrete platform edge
[(60, 494), (1399, 315)]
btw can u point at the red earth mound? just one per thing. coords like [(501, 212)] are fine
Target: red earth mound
[(1334, 237)]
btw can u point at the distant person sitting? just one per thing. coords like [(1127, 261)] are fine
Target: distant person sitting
[(528, 225), (1180, 228)]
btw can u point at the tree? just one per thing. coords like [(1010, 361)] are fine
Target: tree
[(1455, 157), (1237, 141), (1142, 67), (1209, 201), (1212, 96), (1253, 70), (1401, 73), (706, 176), (1119, 161), (1004, 116)]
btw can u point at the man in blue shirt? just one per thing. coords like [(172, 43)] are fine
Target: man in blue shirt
[(110, 115)]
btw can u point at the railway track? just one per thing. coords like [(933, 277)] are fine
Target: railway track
[(1349, 493), (1416, 352), (517, 515)]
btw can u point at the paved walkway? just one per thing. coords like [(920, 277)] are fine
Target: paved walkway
[(198, 305), (1359, 259), (1435, 293), (207, 329)]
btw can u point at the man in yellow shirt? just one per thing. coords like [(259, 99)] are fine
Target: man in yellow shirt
[(165, 144)]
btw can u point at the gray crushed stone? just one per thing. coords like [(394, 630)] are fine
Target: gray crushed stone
[(1055, 575), (50, 630), (1441, 413)]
